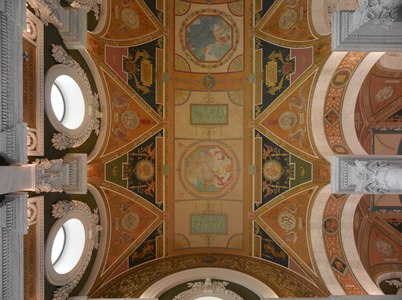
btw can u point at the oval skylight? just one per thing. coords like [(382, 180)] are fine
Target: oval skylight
[(68, 102), (58, 245), (73, 246)]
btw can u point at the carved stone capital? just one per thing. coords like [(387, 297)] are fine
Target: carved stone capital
[(366, 174)]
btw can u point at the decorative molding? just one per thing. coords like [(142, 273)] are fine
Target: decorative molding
[(13, 226), (208, 288), (36, 216), (61, 141), (34, 33), (62, 209), (87, 5)]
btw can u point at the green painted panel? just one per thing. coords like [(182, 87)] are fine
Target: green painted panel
[(115, 172), (302, 172), (209, 114), (201, 224)]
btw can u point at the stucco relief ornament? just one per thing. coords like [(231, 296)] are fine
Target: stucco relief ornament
[(61, 141), (43, 10), (208, 288), (47, 175), (370, 177), (381, 12), (87, 5), (60, 209)]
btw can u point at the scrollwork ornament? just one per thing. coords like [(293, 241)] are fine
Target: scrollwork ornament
[(60, 141), (43, 10), (87, 5), (381, 12), (60, 209)]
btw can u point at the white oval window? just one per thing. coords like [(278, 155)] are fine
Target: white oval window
[(68, 246), (68, 102)]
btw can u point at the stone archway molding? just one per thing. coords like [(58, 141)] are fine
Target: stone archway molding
[(282, 281), (253, 284), (317, 241), (317, 107), (350, 249), (350, 99)]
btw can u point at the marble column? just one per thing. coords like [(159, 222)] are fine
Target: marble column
[(17, 178)]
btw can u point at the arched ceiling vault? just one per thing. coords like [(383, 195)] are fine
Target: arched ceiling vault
[(220, 126)]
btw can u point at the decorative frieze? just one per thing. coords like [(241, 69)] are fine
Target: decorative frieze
[(33, 84)]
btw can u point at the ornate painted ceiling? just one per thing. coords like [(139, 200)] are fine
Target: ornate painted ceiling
[(209, 158)]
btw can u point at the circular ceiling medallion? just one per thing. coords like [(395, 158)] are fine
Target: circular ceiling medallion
[(287, 120), (130, 18), (130, 221), (144, 170), (209, 37), (385, 93), (331, 225), (288, 19), (208, 169), (287, 221), (130, 119), (272, 170), (384, 247), (340, 78)]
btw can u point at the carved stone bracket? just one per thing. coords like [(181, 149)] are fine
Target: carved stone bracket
[(62, 141), (61, 209), (208, 288)]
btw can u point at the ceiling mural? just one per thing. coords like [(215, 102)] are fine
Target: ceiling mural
[(209, 146)]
